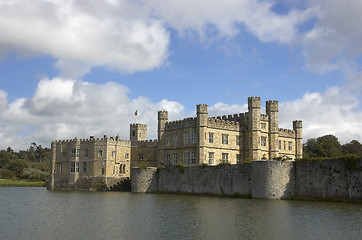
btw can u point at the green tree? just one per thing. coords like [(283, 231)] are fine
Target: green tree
[(353, 147), (325, 146)]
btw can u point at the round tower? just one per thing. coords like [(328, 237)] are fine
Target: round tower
[(273, 130), (162, 120)]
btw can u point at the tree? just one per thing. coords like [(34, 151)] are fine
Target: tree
[(325, 146), (353, 147)]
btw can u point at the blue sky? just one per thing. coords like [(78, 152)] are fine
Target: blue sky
[(79, 68)]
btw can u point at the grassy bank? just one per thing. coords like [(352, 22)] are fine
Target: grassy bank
[(20, 183)]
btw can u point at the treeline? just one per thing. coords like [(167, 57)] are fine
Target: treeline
[(31, 164), (328, 146)]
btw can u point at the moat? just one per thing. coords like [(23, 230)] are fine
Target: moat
[(35, 213)]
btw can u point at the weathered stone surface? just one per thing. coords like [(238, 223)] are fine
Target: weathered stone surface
[(273, 179), (144, 180), (329, 179)]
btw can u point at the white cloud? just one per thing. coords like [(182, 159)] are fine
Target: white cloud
[(78, 109), (334, 111), (80, 34)]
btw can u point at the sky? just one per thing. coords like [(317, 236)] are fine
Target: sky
[(80, 68)]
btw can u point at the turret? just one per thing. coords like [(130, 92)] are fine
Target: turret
[(52, 166), (201, 112), (298, 128), (138, 132), (273, 130), (162, 120), (254, 127)]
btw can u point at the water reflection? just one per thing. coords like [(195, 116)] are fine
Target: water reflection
[(35, 213)]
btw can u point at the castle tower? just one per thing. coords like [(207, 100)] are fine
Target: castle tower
[(162, 120), (298, 127), (52, 166), (254, 132), (137, 132), (201, 113), (272, 112)]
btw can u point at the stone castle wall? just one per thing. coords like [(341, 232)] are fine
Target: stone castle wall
[(269, 179)]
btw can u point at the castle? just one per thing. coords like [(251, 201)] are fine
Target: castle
[(207, 140)]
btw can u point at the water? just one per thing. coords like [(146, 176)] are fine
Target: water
[(35, 213)]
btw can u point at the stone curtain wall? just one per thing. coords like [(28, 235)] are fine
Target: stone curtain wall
[(261, 179), (329, 179), (222, 179)]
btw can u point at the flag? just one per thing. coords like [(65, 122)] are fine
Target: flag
[(136, 112)]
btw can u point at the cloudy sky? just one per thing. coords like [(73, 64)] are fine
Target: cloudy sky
[(82, 67)]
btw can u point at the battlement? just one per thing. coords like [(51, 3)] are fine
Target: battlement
[(146, 143), (271, 106), (163, 114), (92, 139), (201, 108), (253, 102), (179, 124), (135, 125), (286, 132), (297, 124), (264, 117), (223, 124), (236, 117)]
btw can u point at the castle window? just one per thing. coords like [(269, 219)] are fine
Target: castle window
[(126, 156), (237, 140), (290, 146), (175, 139), (133, 133), (263, 125), (73, 152), (61, 168), (211, 137), (84, 166), (168, 141), (100, 153), (225, 158), (225, 139), (64, 155), (102, 171), (77, 152), (211, 158), (189, 137), (238, 158), (189, 158), (86, 153), (175, 158), (263, 141), (280, 145), (168, 159), (285, 145), (140, 156), (74, 166)]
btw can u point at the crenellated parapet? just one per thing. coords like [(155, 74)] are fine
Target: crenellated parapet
[(264, 117), (286, 133), (146, 143), (180, 124), (92, 139), (223, 124)]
